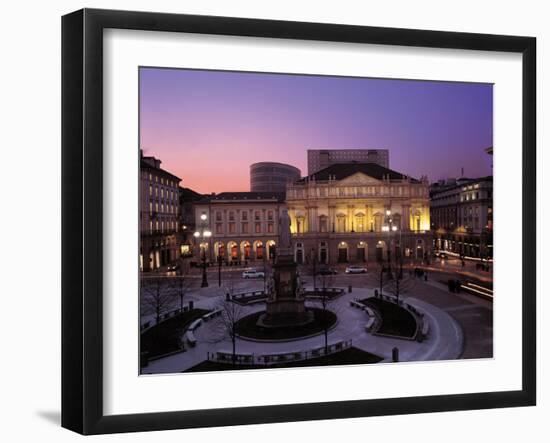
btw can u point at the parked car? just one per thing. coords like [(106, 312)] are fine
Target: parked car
[(253, 273), (356, 270), (328, 271), (173, 267)]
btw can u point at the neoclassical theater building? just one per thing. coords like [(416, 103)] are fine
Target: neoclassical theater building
[(344, 213), (354, 212)]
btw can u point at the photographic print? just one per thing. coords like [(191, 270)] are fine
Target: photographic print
[(292, 220)]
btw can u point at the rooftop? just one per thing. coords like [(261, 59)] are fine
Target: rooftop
[(340, 171), (245, 196)]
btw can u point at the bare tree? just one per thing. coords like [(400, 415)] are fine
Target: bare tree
[(182, 286), (154, 297), (230, 315), (225, 326), (326, 281), (400, 285)]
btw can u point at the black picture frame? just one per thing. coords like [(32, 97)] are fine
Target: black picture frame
[(82, 230)]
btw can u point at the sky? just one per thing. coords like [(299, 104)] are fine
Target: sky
[(208, 127)]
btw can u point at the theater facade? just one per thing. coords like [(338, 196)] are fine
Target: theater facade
[(357, 212)]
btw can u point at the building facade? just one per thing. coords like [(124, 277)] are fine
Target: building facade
[(243, 226), (272, 177), (318, 159), (159, 215), (187, 200), (462, 216), (357, 212)]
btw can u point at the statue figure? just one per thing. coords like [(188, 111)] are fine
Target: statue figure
[(284, 230)]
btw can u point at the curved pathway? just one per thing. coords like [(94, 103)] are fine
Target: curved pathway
[(445, 338)]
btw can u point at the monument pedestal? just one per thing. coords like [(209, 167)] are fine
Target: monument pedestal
[(286, 304)]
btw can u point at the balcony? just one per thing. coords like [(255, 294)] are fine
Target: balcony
[(159, 233)]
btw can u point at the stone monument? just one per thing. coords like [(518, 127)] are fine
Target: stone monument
[(285, 304)]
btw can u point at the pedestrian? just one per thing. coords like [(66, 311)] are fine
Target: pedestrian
[(451, 284), (425, 276), (458, 284)]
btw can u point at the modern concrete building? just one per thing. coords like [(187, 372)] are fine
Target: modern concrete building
[(461, 214), (159, 215), (272, 177), (318, 159), (356, 212)]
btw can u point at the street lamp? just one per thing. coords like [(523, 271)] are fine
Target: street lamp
[(389, 228), (204, 233)]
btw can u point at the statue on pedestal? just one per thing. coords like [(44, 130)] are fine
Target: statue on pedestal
[(285, 306), (284, 231)]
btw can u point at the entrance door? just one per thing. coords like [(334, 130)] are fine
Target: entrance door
[(379, 254), (299, 256), (361, 254), (323, 256), (342, 255)]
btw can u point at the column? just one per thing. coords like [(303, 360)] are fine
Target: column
[(368, 217), (314, 227), (406, 217), (308, 218), (331, 219), (351, 221)]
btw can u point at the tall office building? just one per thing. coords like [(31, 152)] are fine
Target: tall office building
[(318, 159)]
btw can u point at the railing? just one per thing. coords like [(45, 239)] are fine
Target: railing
[(245, 298), (163, 317), (159, 232), (279, 358), (337, 234)]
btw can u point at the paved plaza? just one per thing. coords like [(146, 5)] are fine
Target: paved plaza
[(460, 324)]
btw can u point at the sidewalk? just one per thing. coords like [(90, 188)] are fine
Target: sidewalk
[(444, 342)]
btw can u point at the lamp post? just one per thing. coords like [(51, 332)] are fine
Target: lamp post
[(389, 228), (220, 259), (314, 269), (202, 234)]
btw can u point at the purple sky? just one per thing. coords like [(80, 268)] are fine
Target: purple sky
[(207, 127)]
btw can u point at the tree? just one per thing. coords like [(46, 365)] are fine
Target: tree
[(400, 285), (326, 302), (182, 286), (155, 299), (225, 326), (230, 315)]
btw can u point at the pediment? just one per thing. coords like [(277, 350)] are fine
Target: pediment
[(359, 178)]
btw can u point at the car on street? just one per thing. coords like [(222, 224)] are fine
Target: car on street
[(328, 271), (253, 273), (442, 255), (356, 270), (172, 267)]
